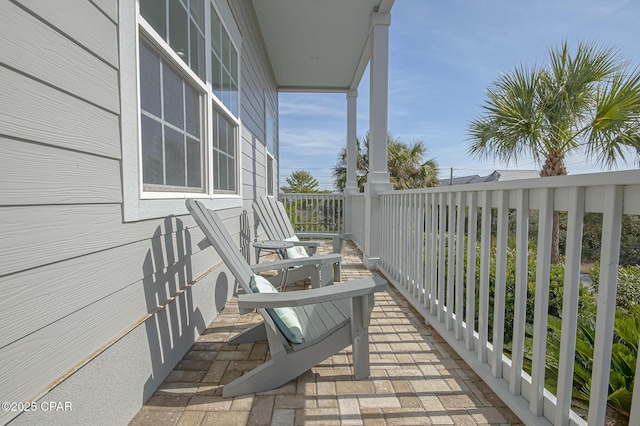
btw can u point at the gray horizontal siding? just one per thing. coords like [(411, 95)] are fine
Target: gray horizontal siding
[(74, 276), (55, 291), (56, 59), (108, 7), (95, 29), (37, 112), (36, 174), (34, 362)]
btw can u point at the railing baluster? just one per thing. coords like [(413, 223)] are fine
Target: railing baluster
[(520, 308), (411, 248), (459, 288), (428, 253), (451, 229), (570, 305), (416, 246), (541, 307), (404, 241), (485, 258), (420, 240), (607, 288), (471, 269), (434, 253), (501, 283), (442, 223), (389, 235), (400, 252)]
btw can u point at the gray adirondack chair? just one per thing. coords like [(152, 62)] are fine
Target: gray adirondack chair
[(276, 224), (331, 317)]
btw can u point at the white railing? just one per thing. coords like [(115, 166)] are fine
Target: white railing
[(315, 212), (357, 205), (441, 252)]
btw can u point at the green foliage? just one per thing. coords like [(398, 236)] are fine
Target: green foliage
[(405, 165), (629, 238), (628, 295), (624, 356), (301, 181), (556, 289), (586, 100)]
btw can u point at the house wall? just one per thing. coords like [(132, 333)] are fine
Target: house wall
[(95, 311)]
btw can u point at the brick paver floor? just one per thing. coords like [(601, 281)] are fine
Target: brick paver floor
[(416, 378)]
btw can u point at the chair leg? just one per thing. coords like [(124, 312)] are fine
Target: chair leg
[(286, 366), (270, 375), (360, 336), (337, 272), (255, 333), (315, 278)]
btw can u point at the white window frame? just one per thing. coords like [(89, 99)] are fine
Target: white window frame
[(274, 183), (137, 203), (270, 134)]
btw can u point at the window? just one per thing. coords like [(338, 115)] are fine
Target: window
[(224, 157), (224, 70), (181, 24), (170, 110), (181, 57)]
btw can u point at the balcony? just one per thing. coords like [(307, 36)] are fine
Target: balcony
[(440, 352), (446, 250), (416, 378)]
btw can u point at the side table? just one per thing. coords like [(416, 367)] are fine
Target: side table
[(274, 245)]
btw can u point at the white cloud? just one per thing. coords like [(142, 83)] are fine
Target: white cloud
[(312, 105), (311, 142)]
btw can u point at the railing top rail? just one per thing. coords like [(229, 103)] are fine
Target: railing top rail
[(311, 194), (627, 177)]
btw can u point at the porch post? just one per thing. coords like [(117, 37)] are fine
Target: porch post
[(351, 186), (378, 177), (352, 152)]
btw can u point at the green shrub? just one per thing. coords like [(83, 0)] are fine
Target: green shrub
[(586, 302), (628, 294), (624, 355)]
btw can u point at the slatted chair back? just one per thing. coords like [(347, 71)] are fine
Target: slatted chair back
[(270, 215), (219, 237)]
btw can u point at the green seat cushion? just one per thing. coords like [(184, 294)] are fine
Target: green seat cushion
[(285, 318), (295, 252)]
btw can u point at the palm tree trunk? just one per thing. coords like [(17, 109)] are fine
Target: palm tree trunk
[(554, 166)]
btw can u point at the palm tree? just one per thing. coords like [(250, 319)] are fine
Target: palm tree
[(589, 101), (406, 168)]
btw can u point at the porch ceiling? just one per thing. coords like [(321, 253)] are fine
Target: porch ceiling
[(317, 45)]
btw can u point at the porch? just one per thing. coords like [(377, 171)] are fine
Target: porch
[(416, 378), (475, 263)]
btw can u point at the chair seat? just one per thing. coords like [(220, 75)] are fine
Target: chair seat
[(321, 320)]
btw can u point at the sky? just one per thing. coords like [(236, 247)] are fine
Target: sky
[(442, 57)]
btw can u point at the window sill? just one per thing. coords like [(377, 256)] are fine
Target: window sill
[(161, 208)]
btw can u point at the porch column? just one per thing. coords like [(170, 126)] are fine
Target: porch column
[(352, 152), (351, 186), (378, 177)]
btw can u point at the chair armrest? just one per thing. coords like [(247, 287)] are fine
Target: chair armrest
[(348, 290), (308, 243), (290, 263), (346, 236), (338, 239)]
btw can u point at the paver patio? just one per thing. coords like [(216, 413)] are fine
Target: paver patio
[(416, 378)]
